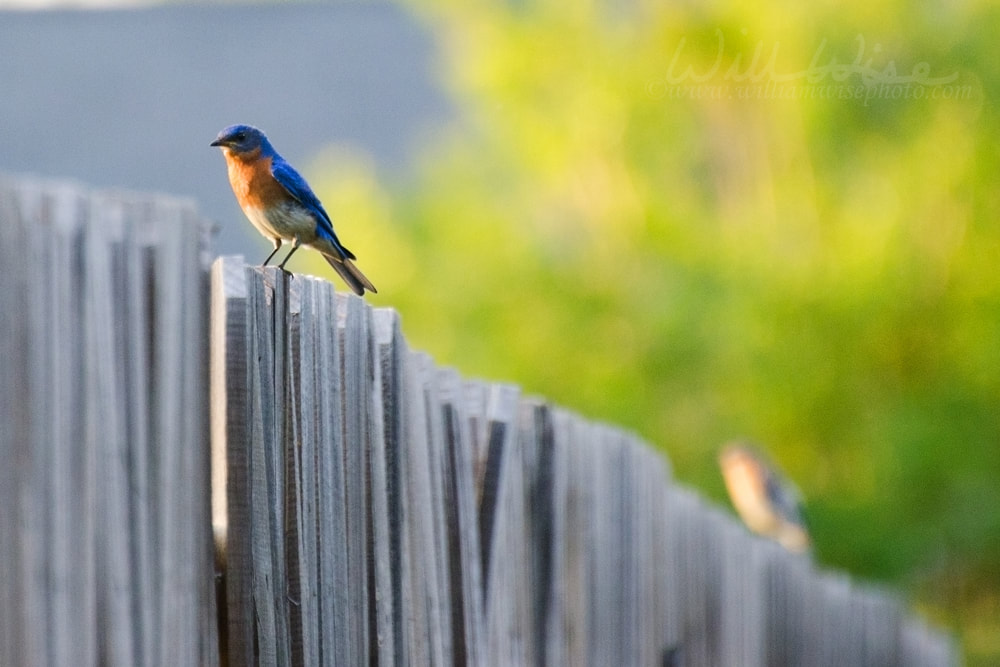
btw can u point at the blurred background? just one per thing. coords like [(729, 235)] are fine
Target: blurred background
[(700, 221)]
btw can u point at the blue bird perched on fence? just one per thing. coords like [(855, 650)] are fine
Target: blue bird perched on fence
[(280, 203), (768, 504)]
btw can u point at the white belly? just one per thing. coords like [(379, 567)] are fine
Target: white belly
[(284, 222)]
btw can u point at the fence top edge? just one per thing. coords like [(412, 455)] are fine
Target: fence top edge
[(37, 183)]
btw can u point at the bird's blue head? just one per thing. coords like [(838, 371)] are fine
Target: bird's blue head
[(242, 140)]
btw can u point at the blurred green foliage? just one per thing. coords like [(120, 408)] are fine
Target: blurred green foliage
[(679, 218)]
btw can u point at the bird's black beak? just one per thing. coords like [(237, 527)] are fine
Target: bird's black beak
[(219, 142)]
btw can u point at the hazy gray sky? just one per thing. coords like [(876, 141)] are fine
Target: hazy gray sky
[(132, 98)]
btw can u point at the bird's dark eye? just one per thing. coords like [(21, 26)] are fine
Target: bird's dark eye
[(240, 136)]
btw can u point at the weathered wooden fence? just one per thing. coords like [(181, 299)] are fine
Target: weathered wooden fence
[(104, 557), (375, 508)]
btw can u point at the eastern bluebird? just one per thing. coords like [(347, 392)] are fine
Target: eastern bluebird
[(280, 203), (767, 503)]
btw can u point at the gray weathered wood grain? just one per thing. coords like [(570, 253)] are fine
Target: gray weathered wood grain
[(356, 399), (107, 552)]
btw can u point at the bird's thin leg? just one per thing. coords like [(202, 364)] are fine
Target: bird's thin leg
[(277, 245), (295, 246)]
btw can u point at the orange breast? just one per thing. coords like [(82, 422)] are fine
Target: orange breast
[(745, 485), (250, 176)]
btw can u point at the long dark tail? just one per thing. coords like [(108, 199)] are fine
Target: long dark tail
[(351, 275)]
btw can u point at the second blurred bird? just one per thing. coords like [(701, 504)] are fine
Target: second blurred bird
[(768, 503)]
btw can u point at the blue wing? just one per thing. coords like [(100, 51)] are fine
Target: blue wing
[(784, 498), (297, 187)]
